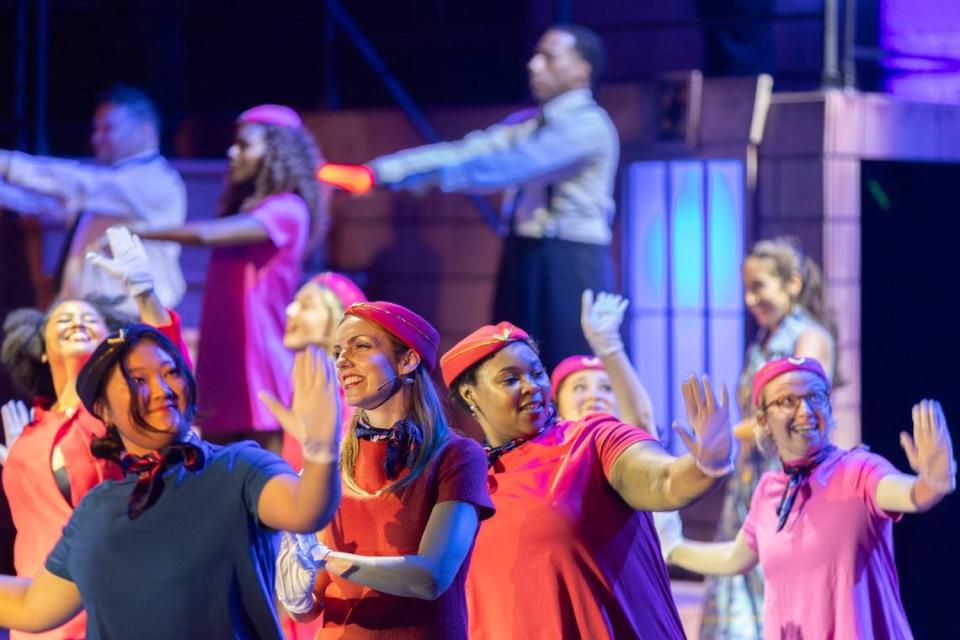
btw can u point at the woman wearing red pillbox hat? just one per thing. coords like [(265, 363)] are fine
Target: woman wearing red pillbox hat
[(393, 561), (272, 213), (572, 552), (821, 527)]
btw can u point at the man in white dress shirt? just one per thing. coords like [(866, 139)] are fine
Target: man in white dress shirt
[(131, 183), (557, 165)]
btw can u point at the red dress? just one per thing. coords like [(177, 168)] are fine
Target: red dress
[(392, 524), (565, 556), (38, 508)]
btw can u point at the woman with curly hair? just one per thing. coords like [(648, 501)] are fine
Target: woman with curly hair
[(50, 466), (273, 212)]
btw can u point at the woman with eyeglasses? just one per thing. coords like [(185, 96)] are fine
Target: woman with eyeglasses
[(783, 291), (821, 527)]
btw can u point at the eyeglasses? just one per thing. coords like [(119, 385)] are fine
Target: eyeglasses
[(791, 403)]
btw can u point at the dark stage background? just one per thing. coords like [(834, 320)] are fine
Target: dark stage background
[(911, 261)]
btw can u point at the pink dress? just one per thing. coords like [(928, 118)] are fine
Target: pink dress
[(830, 572), (241, 329)]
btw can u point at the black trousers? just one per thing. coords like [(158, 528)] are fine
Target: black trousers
[(539, 286)]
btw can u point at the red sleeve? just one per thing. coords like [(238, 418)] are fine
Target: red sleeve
[(174, 332), (463, 476), (285, 217), (612, 437)]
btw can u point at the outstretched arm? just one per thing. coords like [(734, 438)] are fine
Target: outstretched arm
[(930, 453), (715, 558), (650, 479), (307, 502), (601, 318), (37, 604), (237, 229)]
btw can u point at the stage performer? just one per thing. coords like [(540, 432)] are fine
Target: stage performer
[(393, 562), (272, 212), (607, 381), (572, 551), (557, 164), (50, 467), (783, 291), (183, 546), (131, 183), (821, 526)]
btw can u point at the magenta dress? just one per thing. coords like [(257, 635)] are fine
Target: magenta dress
[(241, 348)]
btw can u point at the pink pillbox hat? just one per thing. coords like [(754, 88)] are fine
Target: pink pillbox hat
[(776, 368), (275, 114), (569, 366), (345, 289), (406, 326)]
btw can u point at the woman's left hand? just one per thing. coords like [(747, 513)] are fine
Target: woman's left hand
[(711, 440), (315, 413), (130, 264), (930, 450)]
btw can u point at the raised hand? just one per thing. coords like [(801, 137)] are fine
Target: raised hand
[(129, 264), (711, 439), (16, 417), (300, 558), (315, 414), (600, 319), (930, 450)]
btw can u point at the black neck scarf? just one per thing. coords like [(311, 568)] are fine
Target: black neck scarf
[(404, 440), (150, 468), (494, 453), (798, 472)]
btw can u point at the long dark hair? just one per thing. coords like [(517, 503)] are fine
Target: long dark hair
[(289, 165), (110, 445)]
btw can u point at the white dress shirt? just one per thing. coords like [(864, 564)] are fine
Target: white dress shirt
[(566, 153), (142, 191)]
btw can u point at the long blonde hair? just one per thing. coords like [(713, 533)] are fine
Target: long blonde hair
[(426, 410)]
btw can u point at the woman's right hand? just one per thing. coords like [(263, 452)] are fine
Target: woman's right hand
[(315, 413), (16, 417), (301, 557), (130, 264), (600, 319)]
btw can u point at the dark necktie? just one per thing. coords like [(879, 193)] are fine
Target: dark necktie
[(403, 442), (798, 474), (150, 468)]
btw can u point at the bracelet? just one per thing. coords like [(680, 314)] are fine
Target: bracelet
[(320, 452), (719, 472)]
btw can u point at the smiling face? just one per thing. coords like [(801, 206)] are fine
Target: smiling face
[(369, 366), (74, 329), (586, 391), (803, 432), (153, 389), (511, 394), (309, 317), (767, 295), (247, 151)]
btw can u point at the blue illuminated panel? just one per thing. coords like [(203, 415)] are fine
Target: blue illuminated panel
[(684, 246), (686, 234)]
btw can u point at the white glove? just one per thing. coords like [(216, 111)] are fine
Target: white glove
[(129, 264), (300, 559), (669, 530), (601, 319), (15, 416)]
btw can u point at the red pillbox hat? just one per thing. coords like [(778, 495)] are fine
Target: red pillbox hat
[(477, 346), (405, 325), (569, 366), (345, 289), (776, 368)]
